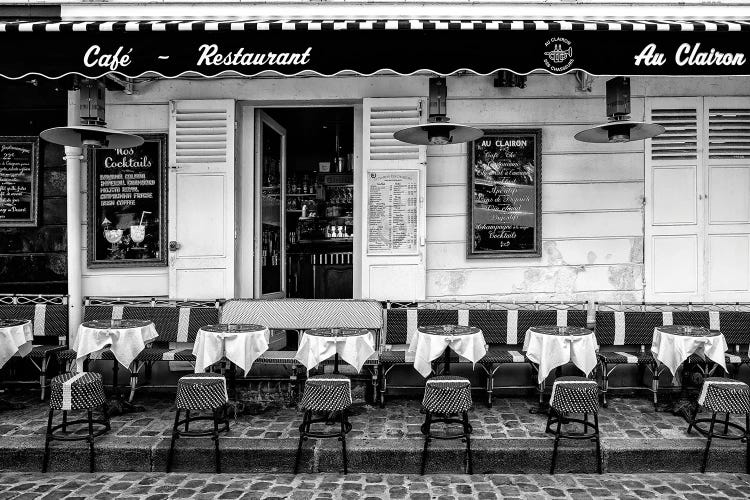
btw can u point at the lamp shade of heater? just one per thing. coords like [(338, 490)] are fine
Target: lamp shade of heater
[(620, 131), (91, 136), (436, 134)]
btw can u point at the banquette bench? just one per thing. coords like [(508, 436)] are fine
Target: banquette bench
[(625, 331), (298, 315), (503, 324), (49, 317)]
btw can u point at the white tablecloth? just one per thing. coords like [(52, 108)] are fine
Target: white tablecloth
[(548, 349), (353, 346), (672, 345), (241, 346), (125, 341), (15, 339), (428, 344)]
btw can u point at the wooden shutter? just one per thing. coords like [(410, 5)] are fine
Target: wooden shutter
[(396, 277), (201, 198), (727, 199), (673, 216)]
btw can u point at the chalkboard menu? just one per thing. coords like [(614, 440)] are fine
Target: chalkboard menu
[(19, 181), (505, 184), (127, 205)]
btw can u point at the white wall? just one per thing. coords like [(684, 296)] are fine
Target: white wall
[(592, 194)]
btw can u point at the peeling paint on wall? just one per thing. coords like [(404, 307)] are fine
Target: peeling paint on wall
[(559, 279), (625, 277), (636, 250), (451, 282)]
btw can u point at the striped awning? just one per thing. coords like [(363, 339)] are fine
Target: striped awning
[(404, 46)]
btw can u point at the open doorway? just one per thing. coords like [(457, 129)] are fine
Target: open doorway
[(305, 224)]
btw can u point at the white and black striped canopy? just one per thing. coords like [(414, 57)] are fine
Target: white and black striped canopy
[(404, 46)]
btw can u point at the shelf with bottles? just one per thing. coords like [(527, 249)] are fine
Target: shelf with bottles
[(302, 184), (270, 246)]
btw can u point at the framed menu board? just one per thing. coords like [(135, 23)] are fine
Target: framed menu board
[(19, 181), (392, 217), (505, 194), (128, 205)]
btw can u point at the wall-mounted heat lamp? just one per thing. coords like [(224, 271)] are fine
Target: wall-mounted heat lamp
[(619, 128), (92, 132), (438, 130)]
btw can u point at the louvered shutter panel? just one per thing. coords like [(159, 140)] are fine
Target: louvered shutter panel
[(727, 199), (392, 276), (680, 141), (201, 199), (673, 243)]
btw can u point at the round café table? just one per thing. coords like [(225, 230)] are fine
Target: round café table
[(15, 337), (126, 338), (430, 342), (353, 345), (672, 345), (241, 344), (550, 347)]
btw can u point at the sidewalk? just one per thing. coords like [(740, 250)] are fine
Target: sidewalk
[(157, 486)]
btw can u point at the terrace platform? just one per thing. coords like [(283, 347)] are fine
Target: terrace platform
[(507, 439)]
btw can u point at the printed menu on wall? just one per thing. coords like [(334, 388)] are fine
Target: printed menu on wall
[(127, 205), (19, 180), (392, 213), (505, 194)]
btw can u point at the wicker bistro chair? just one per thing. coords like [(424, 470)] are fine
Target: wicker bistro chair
[(630, 326), (722, 395), (200, 392), (70, 392), (49, 317), (176, 322), (574, 395), (325, 394), (503, 324), (444, 397)]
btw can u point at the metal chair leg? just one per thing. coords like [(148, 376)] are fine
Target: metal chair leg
[(692, 419), (605, 384), (490, 385), (216, 440), (554, 449), (175, 435), (134, 369), (91, 441), (302, 437), (383, 385), (65, 421), (343, 441), (47, 439), (726, 424), (187, 420), (708, 443), (598, 444), (747, 443), (426, 432), (467, 436)]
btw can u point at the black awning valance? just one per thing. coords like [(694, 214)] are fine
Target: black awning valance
[(211, 48)]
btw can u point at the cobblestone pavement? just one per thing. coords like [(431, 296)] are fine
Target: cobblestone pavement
[(401, 418), (371, 486)]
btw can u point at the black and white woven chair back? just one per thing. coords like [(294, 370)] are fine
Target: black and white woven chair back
[(725, 395), (77, 391), (575, 395), (329, 392), (447, 394), (201, 391)]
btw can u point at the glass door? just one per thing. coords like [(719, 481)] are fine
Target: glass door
[(270, 166)]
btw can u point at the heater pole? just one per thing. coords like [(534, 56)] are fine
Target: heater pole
[(73, 157)]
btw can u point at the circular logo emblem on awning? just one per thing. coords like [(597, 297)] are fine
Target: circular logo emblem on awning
[(558, 54)]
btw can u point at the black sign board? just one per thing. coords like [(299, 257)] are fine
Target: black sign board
[(505, 187), (210, 49), (19, 181), (128, 205)]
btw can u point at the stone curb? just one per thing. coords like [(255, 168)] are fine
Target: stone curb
[(402, 456)]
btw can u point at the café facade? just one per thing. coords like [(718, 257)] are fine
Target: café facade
[(270, 167)]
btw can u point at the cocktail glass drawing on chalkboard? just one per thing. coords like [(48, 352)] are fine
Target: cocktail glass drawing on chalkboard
[(137, 234), (113, 236)]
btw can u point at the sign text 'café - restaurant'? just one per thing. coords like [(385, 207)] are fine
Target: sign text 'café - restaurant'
[(284, 158)]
